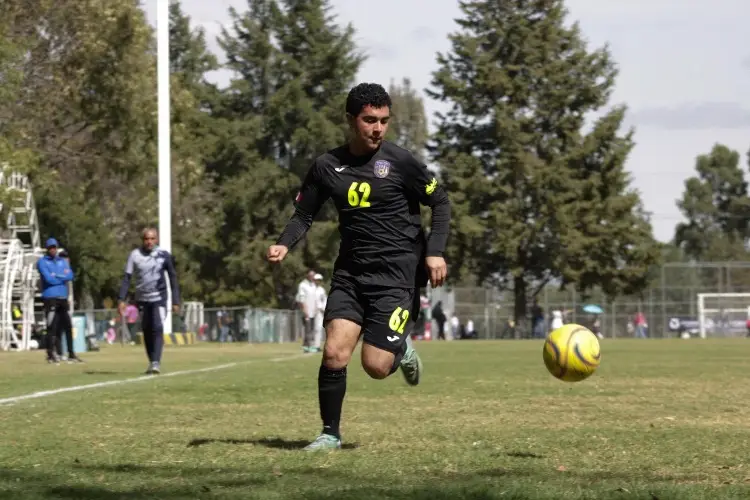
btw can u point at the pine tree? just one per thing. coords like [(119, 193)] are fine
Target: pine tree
[(536, 198), (408, 126), (293, 67), (189, 57), (320, 63), (196, 204), (716, 203)]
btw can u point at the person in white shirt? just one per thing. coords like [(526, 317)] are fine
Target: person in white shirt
[(557, 319), (455, 324), (321, 298), (308, 304)]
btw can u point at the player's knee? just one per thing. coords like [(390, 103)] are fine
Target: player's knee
[(377, 362), (376, 370), (341, 339), (335, 357)]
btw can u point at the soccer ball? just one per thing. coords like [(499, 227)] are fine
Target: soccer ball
[(571, 353)]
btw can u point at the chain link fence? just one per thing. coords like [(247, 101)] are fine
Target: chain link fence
[(230, 324), (669, 306)]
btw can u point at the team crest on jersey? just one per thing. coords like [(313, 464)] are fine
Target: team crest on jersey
[(382, 168)]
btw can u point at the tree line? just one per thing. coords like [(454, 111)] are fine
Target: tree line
[(538, 196)]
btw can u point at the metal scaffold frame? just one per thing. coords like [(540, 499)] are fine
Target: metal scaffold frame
[(20, 248)]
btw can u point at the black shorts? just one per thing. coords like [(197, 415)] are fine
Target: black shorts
[(386, 315)]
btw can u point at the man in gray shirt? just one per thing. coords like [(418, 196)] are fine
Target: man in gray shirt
[(151, 266)]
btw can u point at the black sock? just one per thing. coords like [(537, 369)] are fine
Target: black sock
[(331, 391), (397, 358)]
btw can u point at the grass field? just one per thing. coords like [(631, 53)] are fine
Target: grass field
[(662, 420)]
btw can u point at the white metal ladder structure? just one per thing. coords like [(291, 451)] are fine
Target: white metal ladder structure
[(20, 248)]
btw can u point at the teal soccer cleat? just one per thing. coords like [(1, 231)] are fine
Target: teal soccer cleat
[(411, 364), (324, 442)]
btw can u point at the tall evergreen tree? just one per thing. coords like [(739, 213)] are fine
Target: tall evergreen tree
[(320, 62), (716, 204), (196, 204), (189, 57), (293, 66), (535, 197), (408, 126)]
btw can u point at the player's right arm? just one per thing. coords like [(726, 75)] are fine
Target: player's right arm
[(311, 197)]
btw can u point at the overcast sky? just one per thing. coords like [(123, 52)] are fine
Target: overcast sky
[(684, 71)]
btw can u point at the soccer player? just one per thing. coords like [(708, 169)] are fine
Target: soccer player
[(384, 255), (150, 264)]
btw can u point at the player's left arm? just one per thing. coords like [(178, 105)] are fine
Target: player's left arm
[(424, 185), (171, 270)]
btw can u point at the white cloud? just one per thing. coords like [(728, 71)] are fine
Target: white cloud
[(696, 116)]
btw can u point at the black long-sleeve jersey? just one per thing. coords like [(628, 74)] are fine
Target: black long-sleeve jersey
[(378, 199)]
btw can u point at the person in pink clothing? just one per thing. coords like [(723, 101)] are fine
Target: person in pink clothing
[(641, 326), (131, 315)]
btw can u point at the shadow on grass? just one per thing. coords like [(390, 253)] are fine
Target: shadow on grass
[(100, 372), (171, 483), (133, 482), (522, 454), (176, 481), (275, 443)]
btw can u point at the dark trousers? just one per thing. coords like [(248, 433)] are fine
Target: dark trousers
[(153, 315), (441, 330), (68, 332), (309, 333), (57, 318)]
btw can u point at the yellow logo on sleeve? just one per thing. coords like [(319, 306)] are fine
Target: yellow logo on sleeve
[(430, 188)]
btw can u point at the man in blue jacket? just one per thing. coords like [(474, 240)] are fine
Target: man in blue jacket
[(56, 273)]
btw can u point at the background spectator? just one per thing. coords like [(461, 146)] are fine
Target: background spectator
[(55, 274)]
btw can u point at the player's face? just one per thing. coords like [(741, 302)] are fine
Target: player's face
[(370, 126), (149, 240), (52, 251)]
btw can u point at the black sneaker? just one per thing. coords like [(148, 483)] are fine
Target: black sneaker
[(53, 360), (74, 359)]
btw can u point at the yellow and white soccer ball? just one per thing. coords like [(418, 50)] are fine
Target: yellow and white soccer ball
[(571, 353)]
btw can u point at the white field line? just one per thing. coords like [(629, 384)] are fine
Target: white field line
[(53, 392)]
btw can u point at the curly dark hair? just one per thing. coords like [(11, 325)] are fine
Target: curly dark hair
[(366, 94)]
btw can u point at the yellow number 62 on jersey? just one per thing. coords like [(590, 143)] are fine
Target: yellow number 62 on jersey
[(359, 194), (398, 320)]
